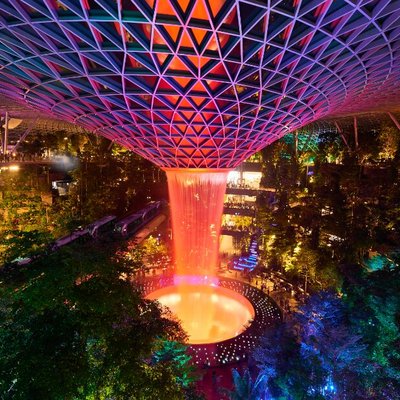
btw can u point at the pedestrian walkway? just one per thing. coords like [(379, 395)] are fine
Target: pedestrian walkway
[(283, 293)]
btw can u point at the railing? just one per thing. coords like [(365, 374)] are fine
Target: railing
[(235, 349), (247, 212), (240, 206), (236, 231), (245, 186), (9, 159)]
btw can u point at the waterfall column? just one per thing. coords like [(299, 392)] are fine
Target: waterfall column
[(197, 202)]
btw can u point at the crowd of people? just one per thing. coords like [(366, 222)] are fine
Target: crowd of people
[(237, 228), (284, 293), (235, 185), (240, 205)]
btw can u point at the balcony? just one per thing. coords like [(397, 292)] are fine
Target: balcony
[(243, 209)]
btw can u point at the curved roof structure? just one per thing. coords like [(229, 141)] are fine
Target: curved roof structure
[(200, 83)]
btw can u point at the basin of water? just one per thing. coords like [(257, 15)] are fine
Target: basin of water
[(208, 314)]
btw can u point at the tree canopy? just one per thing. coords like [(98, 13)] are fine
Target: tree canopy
[(73, 326)]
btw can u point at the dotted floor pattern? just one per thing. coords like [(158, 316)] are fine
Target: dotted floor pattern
[(235, 349), (200, 83)]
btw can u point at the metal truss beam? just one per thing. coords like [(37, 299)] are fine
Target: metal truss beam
[(31, 125), (200, 83)]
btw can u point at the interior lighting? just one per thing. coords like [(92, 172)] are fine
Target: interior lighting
[(208, 314)]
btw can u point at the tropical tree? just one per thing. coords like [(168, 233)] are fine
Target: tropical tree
[(18, 244), (154, 250), (328, 342), (388, 141), (72, 326), (173, 354), (374, 306), (315, 355), (245, 388), (279, 361)]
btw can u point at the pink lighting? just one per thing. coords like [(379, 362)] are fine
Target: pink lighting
[(199, 83)]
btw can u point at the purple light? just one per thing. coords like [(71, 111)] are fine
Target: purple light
[(202, 83)]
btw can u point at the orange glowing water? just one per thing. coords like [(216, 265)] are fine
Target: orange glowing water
[(197, 201), (208, 314)]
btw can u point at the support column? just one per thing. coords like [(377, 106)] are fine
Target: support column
[(340, 130), (197, 201), (395, 121), (5, 136), (355, 132), (32, 124)]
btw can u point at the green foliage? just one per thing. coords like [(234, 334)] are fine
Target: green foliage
[(174, 354), (154, 250), (18, 244), (338, 347), (314, 356), (71, 327), (108, 181), (279, 360), (21, 205), (244, 386), (326, 336), (342, 211), (374, 309), (24, 216)]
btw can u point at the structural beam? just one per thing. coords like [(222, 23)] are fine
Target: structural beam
[(355, 132), (5, 135), (305, 146), (110, 145), (296, 142), (395, 121), (24, 135), (340, 130)]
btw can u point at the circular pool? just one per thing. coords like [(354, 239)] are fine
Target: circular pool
[(208, 314)]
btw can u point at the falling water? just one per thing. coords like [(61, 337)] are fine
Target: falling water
[(197, 201), (208, 313)]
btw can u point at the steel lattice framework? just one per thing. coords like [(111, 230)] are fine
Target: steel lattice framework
[(200, 83)]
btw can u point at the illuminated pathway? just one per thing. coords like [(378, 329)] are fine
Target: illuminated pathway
[(234, 348)]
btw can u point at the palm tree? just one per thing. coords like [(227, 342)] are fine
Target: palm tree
[(245, 388)]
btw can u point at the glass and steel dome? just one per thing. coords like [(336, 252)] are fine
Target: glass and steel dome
[(199, 83)]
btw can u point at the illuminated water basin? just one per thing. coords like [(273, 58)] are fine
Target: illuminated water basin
[(208, 314)]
